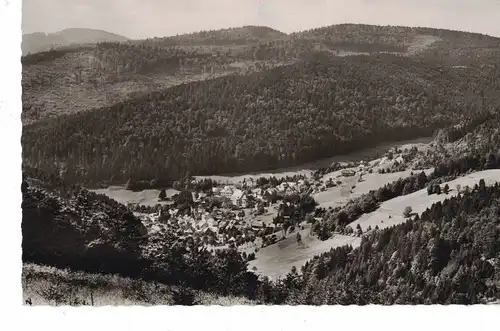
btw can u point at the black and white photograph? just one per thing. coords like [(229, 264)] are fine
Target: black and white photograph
[(260, 152)]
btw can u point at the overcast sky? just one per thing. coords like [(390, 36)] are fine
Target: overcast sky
[(149, 18)]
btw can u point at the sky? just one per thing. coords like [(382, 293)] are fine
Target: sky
[(157, 18)]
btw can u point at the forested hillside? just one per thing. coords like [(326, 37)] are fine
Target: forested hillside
[(74, 79), (472, 138), (88, 232), (284, 116), (233, 36), (74, 231), (70, 80), (448, 255)]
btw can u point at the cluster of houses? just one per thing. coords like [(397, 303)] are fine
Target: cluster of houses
[(233, 220), (219, 227), (243, 196)]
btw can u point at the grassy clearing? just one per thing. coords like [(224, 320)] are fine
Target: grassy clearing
[(52, 286), (145, 197), (277, 260), (340, 195), (391, 212)]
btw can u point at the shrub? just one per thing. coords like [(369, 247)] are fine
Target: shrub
[(407, 212), (183, 296)]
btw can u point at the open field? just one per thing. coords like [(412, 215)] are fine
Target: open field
[(420, 201), (278, 259), (421, 43), (340, 195), (145, 197)]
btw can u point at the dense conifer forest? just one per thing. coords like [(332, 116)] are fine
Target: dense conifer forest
[(280, 117)]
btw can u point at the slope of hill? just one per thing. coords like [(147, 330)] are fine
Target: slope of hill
[(85, 231), (277, 260), (447, 255), (70, 80), (41, 42), (280, 117), (78, 79), (244, 35), (452, 47), (69, 227), (472, 142)]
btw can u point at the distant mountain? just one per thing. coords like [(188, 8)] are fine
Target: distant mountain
[(40, 42), (232, 36)]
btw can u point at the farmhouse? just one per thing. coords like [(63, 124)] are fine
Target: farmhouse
[(238, 197), (227, 192)]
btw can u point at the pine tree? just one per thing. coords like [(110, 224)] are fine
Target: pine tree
[(482, 185), (446, 189), (437, 189), (163, 195), (430, 189)]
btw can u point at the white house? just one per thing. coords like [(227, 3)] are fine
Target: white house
[(236, 195), (227, 192)]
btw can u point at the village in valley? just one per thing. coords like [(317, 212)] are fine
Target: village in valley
[(256, 211)]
